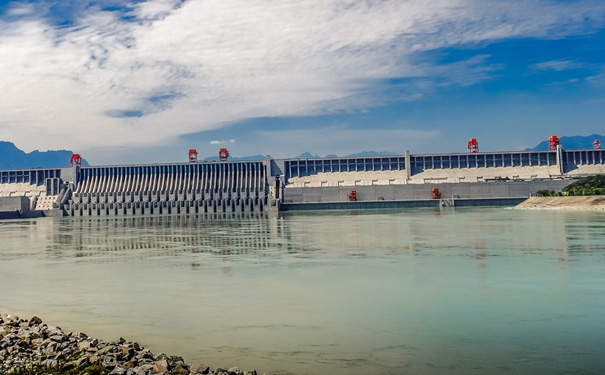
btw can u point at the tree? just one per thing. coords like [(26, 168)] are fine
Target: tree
[(591, 185)]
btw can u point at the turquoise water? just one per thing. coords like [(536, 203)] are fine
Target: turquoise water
[(427, 291)]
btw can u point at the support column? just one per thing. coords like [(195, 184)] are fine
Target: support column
[(408, 165), (559, 159)]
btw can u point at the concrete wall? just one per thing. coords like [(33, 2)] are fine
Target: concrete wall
[(497, 189), (10, 204), (435, 203)]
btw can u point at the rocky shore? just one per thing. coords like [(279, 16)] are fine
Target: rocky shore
[(575, 203), (33, 347)]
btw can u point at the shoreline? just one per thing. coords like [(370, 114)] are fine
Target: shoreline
[(568, 203), (32, 347)]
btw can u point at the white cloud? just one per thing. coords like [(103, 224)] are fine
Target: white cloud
[(231, 141), (19, 9), (558, 65), (199, 65)]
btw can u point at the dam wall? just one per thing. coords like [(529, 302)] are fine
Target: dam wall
[(254, 186), (463, 190), (421, 169)]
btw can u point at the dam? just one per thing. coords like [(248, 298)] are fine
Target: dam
[(290, 184)]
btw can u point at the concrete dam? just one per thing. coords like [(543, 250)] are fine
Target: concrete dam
[(288, 184)]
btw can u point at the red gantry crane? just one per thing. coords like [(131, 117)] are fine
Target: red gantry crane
[(223, 154), (553, 142), (192, 155), (473, 145), (76, 160)]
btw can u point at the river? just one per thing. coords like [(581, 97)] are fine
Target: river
[(414, 291)]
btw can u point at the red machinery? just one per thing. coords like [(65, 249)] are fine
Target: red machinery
[(353, 195), (473, 145), (76, 160), (223, 154), (192, 155), (436, 193), (596, 144), (553, 142)]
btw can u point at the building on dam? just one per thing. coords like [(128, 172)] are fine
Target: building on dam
[(286, 184)]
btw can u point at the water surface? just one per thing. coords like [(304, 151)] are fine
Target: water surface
[(424, 291)]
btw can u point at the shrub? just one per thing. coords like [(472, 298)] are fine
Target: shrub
[(592, 185)]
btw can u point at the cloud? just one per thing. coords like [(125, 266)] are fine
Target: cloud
[(231, 141), (558, 65), (19, 9), (152, 71)]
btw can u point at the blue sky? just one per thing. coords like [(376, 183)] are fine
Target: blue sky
[(144, 81)]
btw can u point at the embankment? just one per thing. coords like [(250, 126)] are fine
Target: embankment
[(33, 347), (588, 203)]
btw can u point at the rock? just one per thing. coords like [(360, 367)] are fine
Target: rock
[(179, 370), (83, 361), (118, 371), (57, 338), (83, 345), (200, 369), (49, 363), (110, 362), (33, 343), (161, 366), (107, 349)]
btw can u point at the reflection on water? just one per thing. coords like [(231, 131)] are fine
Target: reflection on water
[(451, 291)]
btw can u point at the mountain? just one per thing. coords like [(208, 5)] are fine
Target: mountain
[(243, 158), (307, 155), (11, 157), (371, 153), (578, 141)]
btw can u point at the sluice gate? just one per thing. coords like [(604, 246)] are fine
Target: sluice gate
[(169, 189)]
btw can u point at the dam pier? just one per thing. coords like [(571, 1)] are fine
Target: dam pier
[(408, 180)]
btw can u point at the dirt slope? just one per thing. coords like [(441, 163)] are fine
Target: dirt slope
[(564, 203)]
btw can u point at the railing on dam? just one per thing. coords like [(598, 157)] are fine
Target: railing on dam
[(584, 157), (483, 160), (307, 167), (28, 176)]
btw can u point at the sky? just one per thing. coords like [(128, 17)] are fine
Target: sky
[(145, 81)]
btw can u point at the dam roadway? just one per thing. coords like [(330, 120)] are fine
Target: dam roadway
[(493, 178)]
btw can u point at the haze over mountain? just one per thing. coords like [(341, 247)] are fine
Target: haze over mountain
[(577, 141), (11, 157)]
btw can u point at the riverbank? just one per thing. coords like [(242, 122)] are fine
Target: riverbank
[(31, 347), (579, 203)]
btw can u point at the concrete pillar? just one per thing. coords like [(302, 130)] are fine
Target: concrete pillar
[(408, 165), (559, 159)]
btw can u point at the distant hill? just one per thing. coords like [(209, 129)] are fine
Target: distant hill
[(243, 158), (308, 155), (11, 157), (371, 153), (578, 141)]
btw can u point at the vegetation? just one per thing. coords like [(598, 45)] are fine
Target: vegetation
[(592, 185), (547, 193)]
